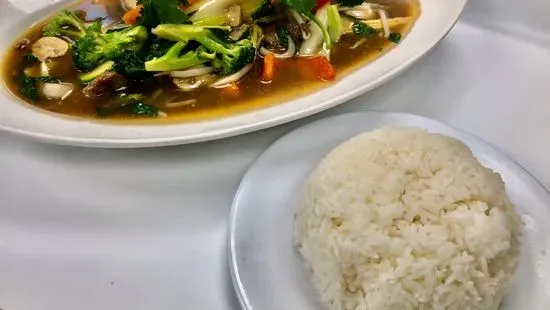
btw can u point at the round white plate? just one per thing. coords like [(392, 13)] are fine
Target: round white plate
[(267, 270), (436, 19)]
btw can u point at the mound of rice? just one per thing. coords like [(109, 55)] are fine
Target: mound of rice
[(399, 218)]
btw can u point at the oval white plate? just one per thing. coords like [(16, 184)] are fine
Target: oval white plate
[(267, 270), (436, 19)]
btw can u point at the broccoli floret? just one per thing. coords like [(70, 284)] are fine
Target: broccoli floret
[(158, 47), (229, 58), (240, 54), (67, 24), (132, 65), (173, 60), (97, 47)]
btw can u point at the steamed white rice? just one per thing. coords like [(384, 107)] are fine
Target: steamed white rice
[(403, 219)]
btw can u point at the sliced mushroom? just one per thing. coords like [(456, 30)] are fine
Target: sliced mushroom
[(49, 47), (57, 91)]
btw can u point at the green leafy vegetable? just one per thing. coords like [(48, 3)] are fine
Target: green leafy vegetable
[(47, 79), (158, 48), (132, 65), (27, 87), (395, 37), (128, 104), (282, 35), (66, 23), (156, 12), (29, 59), (141, 109), (265, 10), (363, 29), (301, 6)]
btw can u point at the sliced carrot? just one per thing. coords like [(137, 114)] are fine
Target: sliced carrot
[(131, 17), (324, 68), (316, 67), (268, 72)]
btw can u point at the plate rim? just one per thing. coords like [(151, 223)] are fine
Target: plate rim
[(235, 127), (231, 251)]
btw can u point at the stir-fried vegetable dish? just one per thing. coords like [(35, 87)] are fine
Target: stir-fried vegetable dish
[(183, 58)]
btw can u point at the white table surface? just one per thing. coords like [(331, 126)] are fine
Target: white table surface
[(92, 229)]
